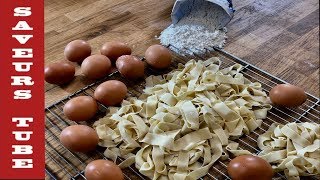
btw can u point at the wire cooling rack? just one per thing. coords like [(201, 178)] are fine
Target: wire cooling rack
[(64, 164)]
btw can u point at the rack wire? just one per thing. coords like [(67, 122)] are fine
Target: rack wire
[(64, 164)]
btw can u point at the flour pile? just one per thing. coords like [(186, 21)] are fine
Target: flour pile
[(197, 30)]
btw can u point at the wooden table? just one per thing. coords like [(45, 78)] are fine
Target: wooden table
[(281, 37)]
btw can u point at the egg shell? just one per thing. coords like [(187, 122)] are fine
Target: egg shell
[(96, 66), (115, 49), (287, 95), (77, 51), (111, 92), (81, 108), (158, 56), (247, 167), (130, 67), (59, 73), (103, 170), (79, 138)]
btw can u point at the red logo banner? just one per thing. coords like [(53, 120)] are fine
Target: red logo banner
[(22, 89)]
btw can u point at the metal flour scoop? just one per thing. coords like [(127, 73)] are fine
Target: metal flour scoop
[(182, 8)]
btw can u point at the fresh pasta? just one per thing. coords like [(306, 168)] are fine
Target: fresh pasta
[(293, 148), (184, 121)]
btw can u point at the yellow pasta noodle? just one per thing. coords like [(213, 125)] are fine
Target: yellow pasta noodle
[(184, 121)]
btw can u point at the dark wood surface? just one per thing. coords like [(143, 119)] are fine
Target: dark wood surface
[(281, 37)]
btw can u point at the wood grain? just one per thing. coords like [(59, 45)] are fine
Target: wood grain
[(280, 37)]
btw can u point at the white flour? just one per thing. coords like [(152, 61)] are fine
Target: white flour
[(196, 31)]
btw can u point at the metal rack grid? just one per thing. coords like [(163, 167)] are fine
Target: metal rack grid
[(64, 164)]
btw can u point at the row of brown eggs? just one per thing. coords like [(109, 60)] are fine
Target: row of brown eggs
[(100, 65)]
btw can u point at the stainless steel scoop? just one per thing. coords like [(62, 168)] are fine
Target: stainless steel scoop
[(182, 8)]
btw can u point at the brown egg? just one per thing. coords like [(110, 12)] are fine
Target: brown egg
[(79, 138), (103, 170), (59, 72), (247, 167), (77, 51), (96, 66), (115, 49), (130, 67), (287, 95), (81, 108), (111, 92), (158, 57)]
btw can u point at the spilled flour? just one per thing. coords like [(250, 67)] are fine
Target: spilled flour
[(197, 30)]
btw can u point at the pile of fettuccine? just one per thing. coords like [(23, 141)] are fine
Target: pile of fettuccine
[(184, 121), (293, 148)]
